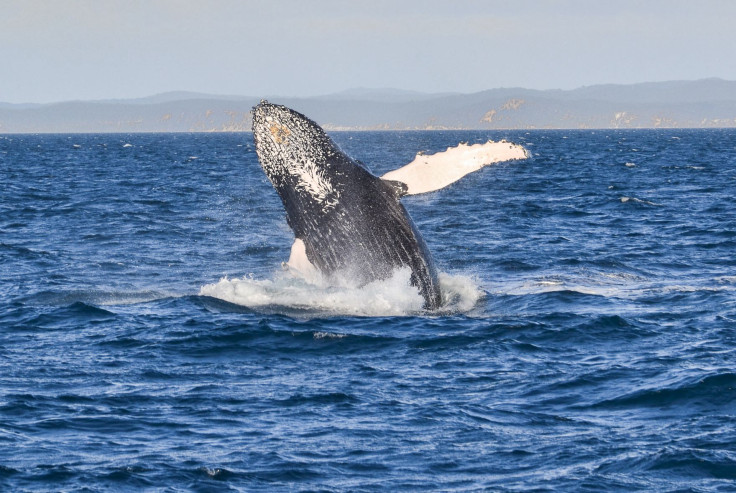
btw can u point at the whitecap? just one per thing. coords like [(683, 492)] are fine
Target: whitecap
[(327, 335)]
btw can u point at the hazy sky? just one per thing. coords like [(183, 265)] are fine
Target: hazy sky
[(54, 50)]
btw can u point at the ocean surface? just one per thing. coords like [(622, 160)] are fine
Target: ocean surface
[(151, 341)]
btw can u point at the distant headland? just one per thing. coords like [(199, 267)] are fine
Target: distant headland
[(706, 103)]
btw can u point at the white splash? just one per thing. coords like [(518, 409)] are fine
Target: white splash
[(461, 292), (390, 297)]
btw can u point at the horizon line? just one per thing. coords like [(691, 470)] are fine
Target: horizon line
[(207, 95)]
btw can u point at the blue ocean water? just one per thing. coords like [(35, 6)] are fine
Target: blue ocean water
[(150, 341)]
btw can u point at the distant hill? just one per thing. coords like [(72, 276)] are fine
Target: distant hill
[(678, 104)]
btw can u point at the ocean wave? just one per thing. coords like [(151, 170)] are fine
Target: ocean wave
[(708, 392), (674, 463), (621, 285), (98, 297)]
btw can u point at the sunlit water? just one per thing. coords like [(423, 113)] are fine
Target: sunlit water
[(150, 339)]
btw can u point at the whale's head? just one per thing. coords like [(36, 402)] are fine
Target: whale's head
[(297, 155)]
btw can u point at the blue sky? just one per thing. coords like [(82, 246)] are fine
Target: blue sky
[(56, 50)]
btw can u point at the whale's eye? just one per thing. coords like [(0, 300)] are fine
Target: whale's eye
[(279, 132)]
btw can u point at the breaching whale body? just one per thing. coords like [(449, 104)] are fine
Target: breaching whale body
[(349, 224)]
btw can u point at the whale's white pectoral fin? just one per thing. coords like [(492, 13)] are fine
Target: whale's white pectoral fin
[(299, 264), (427, 173)]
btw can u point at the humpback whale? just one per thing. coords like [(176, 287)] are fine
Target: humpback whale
[(349, 224)]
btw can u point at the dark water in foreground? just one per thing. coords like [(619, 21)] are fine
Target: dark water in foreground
[(588, 344)]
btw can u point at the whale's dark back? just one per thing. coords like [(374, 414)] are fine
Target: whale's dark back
[(351, 222)]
